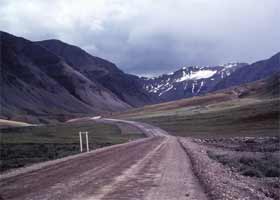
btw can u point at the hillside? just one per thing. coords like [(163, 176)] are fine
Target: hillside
[(256, 71), (198, 80), (37, 84), (126, 87), (250, 109), (188, 81)]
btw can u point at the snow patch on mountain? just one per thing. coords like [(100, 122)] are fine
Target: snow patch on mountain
[(201, 85), (188, 81), (166, 90), (193, 85), (201, 74)]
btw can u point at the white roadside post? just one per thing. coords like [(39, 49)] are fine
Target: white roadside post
[(87, 141), (81, 140)]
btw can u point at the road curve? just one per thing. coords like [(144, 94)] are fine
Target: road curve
[(152, 168)]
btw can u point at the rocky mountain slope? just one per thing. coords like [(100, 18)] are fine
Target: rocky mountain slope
[(188, 81), (253, 72), (126, 87), (197, 80), (37, 83)]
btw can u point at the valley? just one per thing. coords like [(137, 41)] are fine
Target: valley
[(251, 109), (151, 168), (200, 132), (73, 83), (234, 132), (158, 167)]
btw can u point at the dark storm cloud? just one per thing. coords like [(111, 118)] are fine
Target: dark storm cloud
[(152, 37)]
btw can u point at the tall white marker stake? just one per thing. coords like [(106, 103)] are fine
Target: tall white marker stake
[(87, 141), (81, 142)]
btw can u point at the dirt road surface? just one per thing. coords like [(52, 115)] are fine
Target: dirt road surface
[(154, 168)]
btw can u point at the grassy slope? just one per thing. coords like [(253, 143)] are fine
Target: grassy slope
[(250, 109), (26, 145)]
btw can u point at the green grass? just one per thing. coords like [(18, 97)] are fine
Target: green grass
[(22, 146), (245, 117), (251, 109)]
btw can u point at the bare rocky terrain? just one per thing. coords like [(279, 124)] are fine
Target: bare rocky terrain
[(237, 168)]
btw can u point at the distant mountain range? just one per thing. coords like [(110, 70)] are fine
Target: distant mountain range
[(53, 80), (188, 81), (253, 72), (197, 80)]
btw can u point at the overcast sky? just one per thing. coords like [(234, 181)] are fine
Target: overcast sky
[(149, 37)]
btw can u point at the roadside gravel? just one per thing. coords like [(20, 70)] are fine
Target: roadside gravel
[(219, 181)]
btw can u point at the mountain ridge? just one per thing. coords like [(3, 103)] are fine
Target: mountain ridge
[(36, 82), (255, 71), (188, 81), (52, 79), (198, 80), (126, 87)]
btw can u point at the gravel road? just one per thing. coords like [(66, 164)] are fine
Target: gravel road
[(153, 168)]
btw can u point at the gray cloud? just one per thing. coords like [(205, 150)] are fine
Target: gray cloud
[(152, 37)]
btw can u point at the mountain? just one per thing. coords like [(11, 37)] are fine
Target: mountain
[(267, 89), (198, 80), (188, 81), (253, 72), (54, 80), (37, 83), (126, 87)]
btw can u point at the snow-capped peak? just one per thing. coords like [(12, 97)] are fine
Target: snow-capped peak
[(188, 81), (201, 74)]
